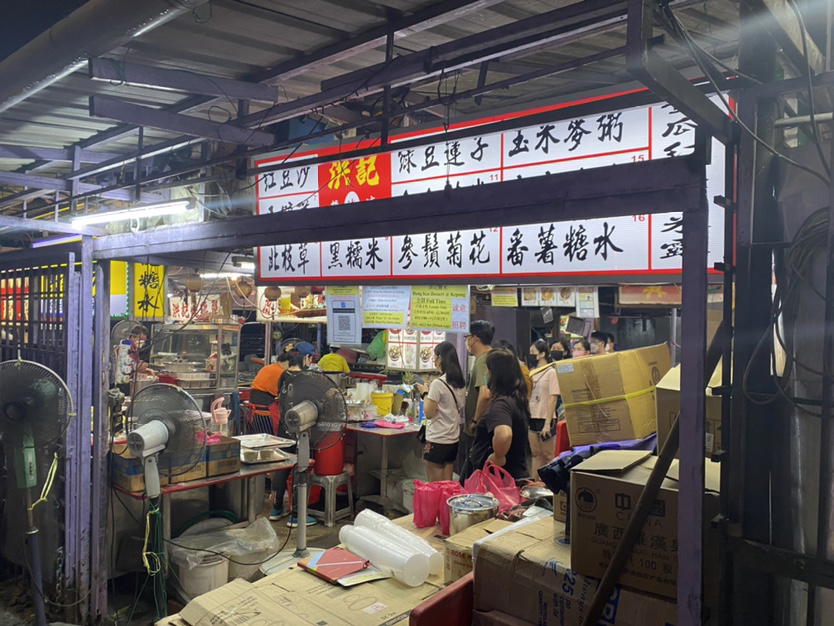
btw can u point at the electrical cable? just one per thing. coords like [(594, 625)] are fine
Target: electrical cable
[(809, 73), (681, 31)]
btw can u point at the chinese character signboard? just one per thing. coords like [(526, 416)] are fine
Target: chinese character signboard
[(197, 308), (148, 292), (635, 245), (440, 307)]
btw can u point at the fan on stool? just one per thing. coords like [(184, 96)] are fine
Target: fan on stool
[(35, 406), (315, 411), (171, 431)]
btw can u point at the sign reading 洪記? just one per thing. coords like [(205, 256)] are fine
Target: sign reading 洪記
[(147, 301), (634, 245), (436, 307), (385, 307)]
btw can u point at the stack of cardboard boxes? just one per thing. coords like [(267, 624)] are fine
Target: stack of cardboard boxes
[(535, 574), (222, 456)]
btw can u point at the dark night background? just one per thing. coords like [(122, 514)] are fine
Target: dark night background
[(23, 20)]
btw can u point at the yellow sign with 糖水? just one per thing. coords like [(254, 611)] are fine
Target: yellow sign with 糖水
[(147, 298)]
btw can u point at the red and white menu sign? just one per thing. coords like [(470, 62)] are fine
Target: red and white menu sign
[(639, 244)]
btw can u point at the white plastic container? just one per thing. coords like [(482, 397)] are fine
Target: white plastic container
[(403, 562), (388, 529), (210, 573)]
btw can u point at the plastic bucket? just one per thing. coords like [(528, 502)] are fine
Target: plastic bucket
[(330, 455), (384, 402), (212, 572)]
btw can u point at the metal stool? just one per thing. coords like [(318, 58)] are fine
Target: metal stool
[(330, 483)]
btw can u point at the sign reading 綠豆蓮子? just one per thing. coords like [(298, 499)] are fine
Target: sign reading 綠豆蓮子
[(637, 244)]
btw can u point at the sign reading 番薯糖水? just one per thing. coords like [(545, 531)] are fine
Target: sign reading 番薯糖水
[(637, 244)]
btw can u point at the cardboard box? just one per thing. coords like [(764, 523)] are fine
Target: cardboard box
[(604, 491), (526, 573), (297, 597), (457, 553), (560, 506), (668, 398), (610, 397), (223, 457), (496, 618)]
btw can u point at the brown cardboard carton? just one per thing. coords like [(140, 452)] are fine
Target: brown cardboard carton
[(560, 506), (128, 471), (496, 618), (525, 572), (611, 397), (604, 491), (668, 398), (457, 553), (223, 457)]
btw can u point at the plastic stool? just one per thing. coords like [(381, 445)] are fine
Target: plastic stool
[(330, 484)]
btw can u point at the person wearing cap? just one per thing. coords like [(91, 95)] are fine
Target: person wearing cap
[(334, 363), (306, 350)]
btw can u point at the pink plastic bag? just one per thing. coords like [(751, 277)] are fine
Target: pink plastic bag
[(496, 481), (502, 486), (448, 490), (426, 503)]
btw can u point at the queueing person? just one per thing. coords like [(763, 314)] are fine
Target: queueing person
[(560, 349), (443, 405), (581, 349), (478, 344), (501, 432), (543, 401)]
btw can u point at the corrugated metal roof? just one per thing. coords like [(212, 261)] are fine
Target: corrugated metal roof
[(241, 38)]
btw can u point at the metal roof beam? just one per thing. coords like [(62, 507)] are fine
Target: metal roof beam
[(628, 189), (21, 197), (787, 31), (59, 184), (12, 151), (103, 106), (179, 80), (64, 228)]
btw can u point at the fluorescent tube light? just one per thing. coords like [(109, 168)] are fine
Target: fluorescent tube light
[(173, 207), (215, 275), (56, 241)]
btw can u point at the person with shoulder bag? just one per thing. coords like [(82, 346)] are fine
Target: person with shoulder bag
[(543, 401), (443, 405)]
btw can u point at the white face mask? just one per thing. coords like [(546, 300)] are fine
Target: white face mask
[(594, 348)]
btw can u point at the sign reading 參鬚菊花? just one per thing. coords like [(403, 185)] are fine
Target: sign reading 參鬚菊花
[(637, 244)]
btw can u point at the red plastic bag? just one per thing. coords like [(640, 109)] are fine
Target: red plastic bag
[(502, 486), (426, 502), (497, 481), (448, 490)]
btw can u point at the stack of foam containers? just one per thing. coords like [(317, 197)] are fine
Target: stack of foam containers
[(405, 556)]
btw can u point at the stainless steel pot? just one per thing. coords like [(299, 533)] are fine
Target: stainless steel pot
[(469, 509)]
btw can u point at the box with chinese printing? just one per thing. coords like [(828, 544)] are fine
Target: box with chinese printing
[(457, 553), (526, 573), (668, 395), (222, 455), (611, 397), (604, 491)]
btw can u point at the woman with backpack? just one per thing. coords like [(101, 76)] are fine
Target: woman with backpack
[(443, 406)]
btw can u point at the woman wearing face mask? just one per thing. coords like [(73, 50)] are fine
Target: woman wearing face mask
[(543, 402), (560, 349), (581, 349)]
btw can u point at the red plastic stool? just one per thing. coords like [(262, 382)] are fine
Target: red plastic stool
[(451, 606)]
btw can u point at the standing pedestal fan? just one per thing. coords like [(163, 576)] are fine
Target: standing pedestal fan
[(35, 406), (315, 413), (170, 432)]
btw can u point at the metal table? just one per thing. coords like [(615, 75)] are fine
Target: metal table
[(384, 434), (246, 472)]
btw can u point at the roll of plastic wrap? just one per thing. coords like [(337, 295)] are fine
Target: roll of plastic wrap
[(404, 563), (370, 519)]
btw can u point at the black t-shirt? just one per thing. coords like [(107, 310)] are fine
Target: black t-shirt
[(502, 411)]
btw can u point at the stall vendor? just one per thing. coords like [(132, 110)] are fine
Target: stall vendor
[(334, 363)]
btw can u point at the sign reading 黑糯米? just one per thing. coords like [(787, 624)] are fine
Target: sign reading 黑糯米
[(638, 244)]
